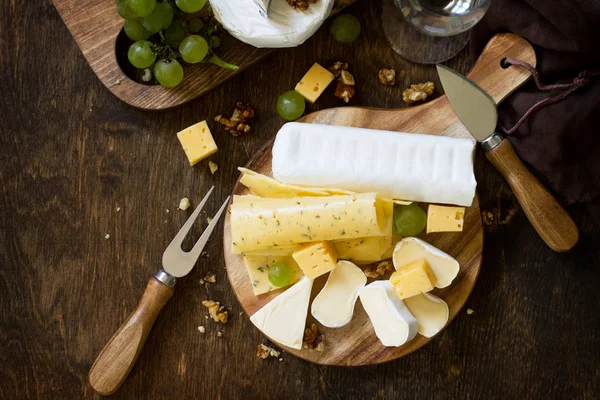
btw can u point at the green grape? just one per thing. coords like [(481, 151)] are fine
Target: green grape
[(190, 6), (193, 49), (194, 25), (135, 31), (345, 28), (169, 73), (159, 18), (409, 220), (124, 10), (175, 33), (290, 105), (215, 42), (280, 274), (140, 54), (141, 8)]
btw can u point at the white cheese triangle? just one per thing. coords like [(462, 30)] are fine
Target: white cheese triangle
[(283, 318), (285, 27), (334, 305), (444, 266), (393, 323), (430, 311)]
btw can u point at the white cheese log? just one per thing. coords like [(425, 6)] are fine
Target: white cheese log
[(407, 166), (334, 305), (283, 318), (394, 325), (283, 222), (285, 27)]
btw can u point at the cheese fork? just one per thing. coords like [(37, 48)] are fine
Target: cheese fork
[(120, 353)]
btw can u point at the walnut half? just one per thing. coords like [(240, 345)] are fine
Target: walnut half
[(344, 88), (239, 123), (216, 310), (387, 76), (418, 92)]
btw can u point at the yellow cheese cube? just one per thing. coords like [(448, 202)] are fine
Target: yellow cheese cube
[(315, 259), (413, 279), (197, 142), (445, 219), (314, 82)]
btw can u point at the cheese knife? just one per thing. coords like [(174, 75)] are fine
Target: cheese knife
[(477, 111)]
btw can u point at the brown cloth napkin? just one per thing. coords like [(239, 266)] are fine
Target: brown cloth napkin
[(560, 142)]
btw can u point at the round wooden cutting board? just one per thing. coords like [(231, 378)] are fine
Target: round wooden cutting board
[(356, 343)]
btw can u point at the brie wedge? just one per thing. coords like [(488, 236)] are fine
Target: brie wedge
[(411, 249), (430, 311), (393, 323), (283, 318), (334, 305), (395, 165), (284, 27)]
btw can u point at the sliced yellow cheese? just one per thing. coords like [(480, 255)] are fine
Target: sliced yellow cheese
[(412, 249), (247, 198), (281, 222), (362, 249), (430, 311), (314, 82), (258, 272), (445, 219), (274, 251), (197, 142), (412, 279), (315, 259)]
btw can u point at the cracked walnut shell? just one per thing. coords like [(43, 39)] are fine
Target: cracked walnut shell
[(418, 92)]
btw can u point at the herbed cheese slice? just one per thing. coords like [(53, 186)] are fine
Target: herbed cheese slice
[(283, 319), (334, 305), (394, 325), (411, 249), (258, 271), (430, 311)]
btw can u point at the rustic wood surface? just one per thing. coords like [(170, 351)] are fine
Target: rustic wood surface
[(71, 153), (96, 27)]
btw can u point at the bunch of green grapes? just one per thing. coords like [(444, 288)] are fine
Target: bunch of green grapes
[(166, 33)]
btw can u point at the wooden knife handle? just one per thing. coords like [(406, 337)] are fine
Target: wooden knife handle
[(120, 353), (547, 216)]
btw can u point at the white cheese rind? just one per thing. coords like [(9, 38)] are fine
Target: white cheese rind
[(407, 166), (430, 311), (285, 26), (393, 323), (334, 305), (443, 265), (283, 319)]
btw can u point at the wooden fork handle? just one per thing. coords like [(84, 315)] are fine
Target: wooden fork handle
[(120, 353), (547, 216)]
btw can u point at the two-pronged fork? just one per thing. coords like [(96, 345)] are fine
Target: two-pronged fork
[(118, 356)]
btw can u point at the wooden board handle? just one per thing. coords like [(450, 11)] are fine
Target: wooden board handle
[(120, 353), (547, 216)]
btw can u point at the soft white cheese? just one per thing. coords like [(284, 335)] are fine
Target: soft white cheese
[(284, 27), (334, 305), (283, 318), (407, 166), (444, 266), (393, 323), (430, 311)]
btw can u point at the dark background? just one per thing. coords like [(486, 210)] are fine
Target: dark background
[(71, 153)]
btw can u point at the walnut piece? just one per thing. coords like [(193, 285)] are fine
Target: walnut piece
[(418, 92), (344, 91), (301, 5), (347, 78), (240, 122), (263, 351), (337, 68), (216, 311), (387, 76), (375, 271), (210, 277), (313, 339)]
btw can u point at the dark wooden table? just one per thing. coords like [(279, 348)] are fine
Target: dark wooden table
[(71, 154)]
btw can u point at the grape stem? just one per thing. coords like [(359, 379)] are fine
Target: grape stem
[(214, 59)]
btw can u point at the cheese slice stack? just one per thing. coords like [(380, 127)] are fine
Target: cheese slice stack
[(283, 318), (285, 26), (407, 166)]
